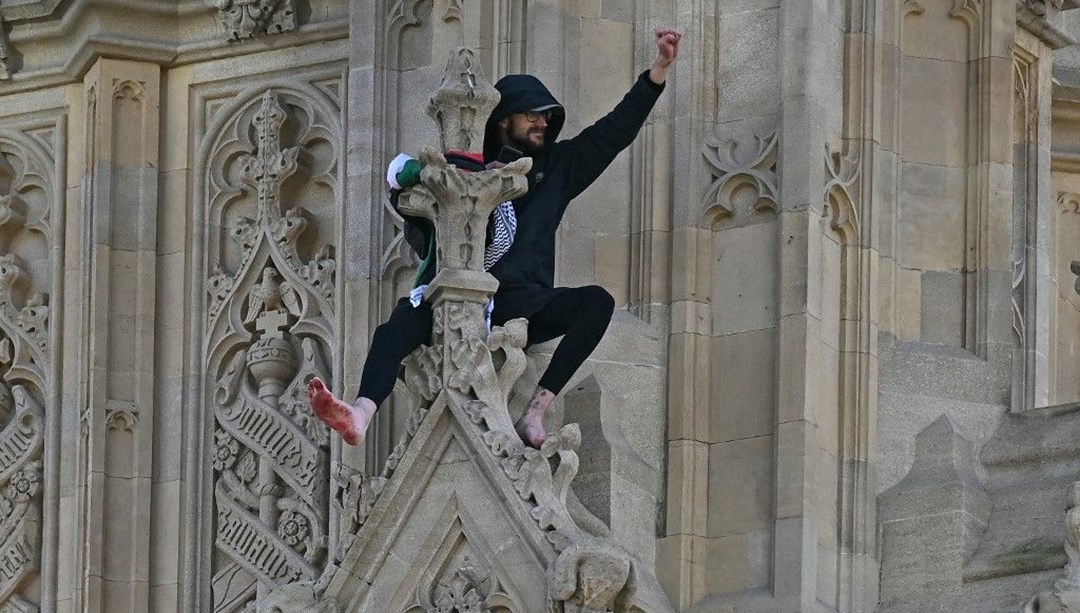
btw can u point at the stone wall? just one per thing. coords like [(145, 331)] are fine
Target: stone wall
[(841, 248)]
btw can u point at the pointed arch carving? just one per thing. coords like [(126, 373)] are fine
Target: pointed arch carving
[(968, 10), (912, 7), (402, 14), (461, 573), (454, 11), (960, 29), (128, 88), (29, 190), (269, 195)]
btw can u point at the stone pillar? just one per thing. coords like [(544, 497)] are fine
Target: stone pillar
[(460, 203), (115, 445)]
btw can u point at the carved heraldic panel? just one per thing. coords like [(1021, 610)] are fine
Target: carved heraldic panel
[(270, 313)]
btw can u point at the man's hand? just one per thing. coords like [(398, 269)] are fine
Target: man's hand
[(667, 49)]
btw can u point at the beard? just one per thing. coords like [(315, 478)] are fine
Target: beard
[(527, 140)]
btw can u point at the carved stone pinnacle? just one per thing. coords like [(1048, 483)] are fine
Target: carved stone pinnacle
[(459, 203), (462, 103)]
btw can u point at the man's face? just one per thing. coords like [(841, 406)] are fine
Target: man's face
[(525, 131)]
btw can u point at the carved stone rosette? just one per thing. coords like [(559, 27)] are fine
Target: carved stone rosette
[(25, 236), (269, 304)]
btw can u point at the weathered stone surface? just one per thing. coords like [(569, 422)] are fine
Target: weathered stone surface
[(843, 221), (941, 485)]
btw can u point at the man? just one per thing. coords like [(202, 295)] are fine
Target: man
[(527, 118)]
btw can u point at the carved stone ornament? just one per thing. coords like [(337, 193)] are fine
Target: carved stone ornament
[(460, 388), (269, 311), (21, 442), (460, 204), (743, 166), (454, 12), (25, 201), (243, 19), (841, 173), (463, 101), (464, 587), (1068, 202), (912, 7)]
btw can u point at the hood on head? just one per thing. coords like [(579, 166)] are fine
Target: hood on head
[(521, 92)]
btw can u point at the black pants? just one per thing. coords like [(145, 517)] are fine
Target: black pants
[(581, 315)]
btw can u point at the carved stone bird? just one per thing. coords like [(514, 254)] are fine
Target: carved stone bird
[(264, 295)]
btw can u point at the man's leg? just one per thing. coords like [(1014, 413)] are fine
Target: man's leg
[(393, 341), (581, 316)]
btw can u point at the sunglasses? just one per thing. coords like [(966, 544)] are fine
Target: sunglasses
[(534, 116)]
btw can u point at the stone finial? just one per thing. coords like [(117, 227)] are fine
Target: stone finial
[(462, 103)]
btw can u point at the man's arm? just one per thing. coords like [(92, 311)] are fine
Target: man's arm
[(590, 152)]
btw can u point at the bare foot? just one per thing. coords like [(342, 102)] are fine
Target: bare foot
[(350, 421), (530, 426), (531, 431)]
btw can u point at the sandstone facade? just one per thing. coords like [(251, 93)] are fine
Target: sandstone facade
[(843, 376)]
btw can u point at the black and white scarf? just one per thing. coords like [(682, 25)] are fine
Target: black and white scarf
[(505, 227)]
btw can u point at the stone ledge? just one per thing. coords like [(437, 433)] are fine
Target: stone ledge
[(60, 50)]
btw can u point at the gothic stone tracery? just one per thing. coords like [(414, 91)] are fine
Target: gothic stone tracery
[(270, 290), (25, 234)]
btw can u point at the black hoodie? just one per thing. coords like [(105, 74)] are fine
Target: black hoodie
[(559, 173)]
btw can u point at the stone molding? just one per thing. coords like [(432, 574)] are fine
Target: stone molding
[(31, 10), (61, 48), (1043, 19)]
